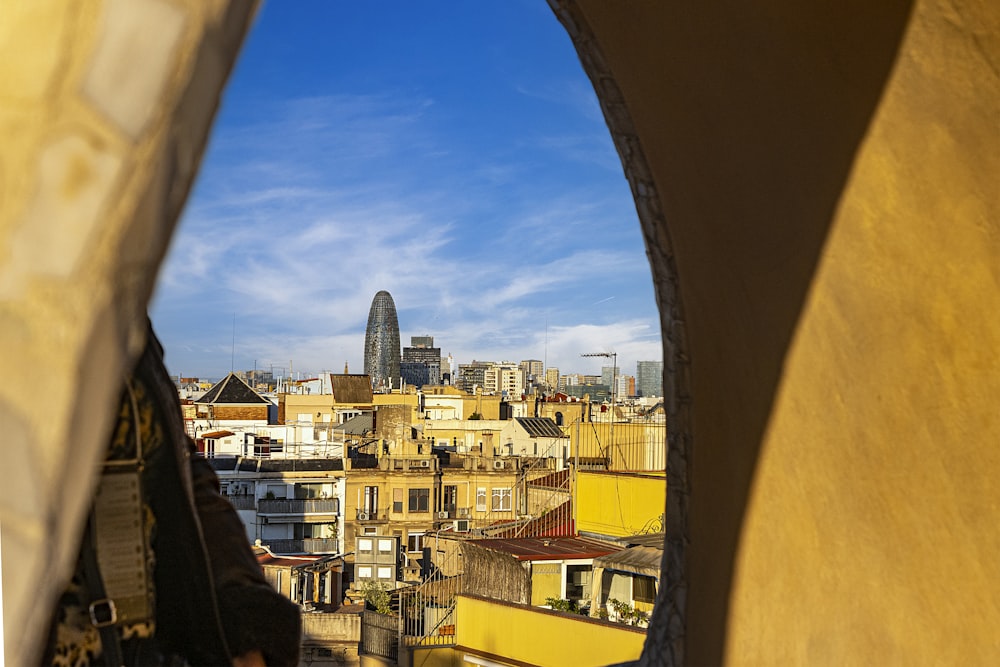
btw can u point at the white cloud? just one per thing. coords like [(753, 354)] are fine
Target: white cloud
[(299, 220)]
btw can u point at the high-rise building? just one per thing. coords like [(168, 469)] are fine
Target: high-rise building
[(649, 378), (533, 369), (422, 341), (504, 378), (382, 343), (421, 361), (552, 377), (472, 375)]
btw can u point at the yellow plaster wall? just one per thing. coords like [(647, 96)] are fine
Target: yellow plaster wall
[(619, 504), (535, 636), (546, 582), (818, 187)]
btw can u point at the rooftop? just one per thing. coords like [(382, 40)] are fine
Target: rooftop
[(549, 548), (541, 427), (233, 391)]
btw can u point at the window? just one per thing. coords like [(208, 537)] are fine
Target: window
[(644, 589), (420, 500), (501, 500), (369, 530), (385, 572), (481, 499), (397, 501), (371, 500), (450, 503), (311, 490), (414, 542), (364, 545), (385, 546), (365, 572)]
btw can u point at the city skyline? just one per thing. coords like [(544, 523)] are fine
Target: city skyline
[(453, 155)]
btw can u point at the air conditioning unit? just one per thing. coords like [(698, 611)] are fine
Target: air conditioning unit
[(498, 465), (463, 512), (363, 516), (425, 463), (442, 515), (462, 525)]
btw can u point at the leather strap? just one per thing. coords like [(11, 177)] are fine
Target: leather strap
[(103, 614)]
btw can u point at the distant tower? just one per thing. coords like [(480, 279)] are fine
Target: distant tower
[(382, 342)]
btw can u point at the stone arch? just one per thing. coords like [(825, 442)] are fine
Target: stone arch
[(763, 144)]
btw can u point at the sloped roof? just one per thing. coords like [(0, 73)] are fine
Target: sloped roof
[(548, 548), (553, 480), (351, 388), (216, 434), (558, 522), (540, 427), (643, 540), (363, 423), (231, 390), (637, 560)]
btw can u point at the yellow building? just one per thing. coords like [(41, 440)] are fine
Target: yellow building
[(490, 632), (412, 494), (348, 395)]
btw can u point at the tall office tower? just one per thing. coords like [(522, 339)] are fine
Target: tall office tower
[(606, 375), (533, 369), (552, 377), (447, 369), (649, 378), (422, 353), (382, 343)]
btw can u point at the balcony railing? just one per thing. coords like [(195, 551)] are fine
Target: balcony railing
[(368, 515), (243, 502), (310, 545), (380, 634), (298, 506)]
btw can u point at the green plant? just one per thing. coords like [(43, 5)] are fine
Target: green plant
[(377, 596), (559, 604), (269, 495), (627, 614), (475, 415)]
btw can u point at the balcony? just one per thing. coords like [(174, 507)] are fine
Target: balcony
[(367, 516), (298, 506), (243, 502), (309, 545)]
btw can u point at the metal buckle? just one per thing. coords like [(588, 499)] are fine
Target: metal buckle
[(103, 613)]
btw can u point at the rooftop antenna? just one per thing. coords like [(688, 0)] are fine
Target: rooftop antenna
[(545, 352), (232, 358)]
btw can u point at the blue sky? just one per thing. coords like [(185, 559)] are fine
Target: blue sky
[(452, 153)]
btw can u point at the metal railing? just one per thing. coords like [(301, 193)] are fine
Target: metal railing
[(637, 446), (298, 506), (427, 610), (380, 634), (309, 545), (243, 502)]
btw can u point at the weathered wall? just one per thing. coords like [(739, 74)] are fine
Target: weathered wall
[(245, 412), (320, 628), (817, 184)]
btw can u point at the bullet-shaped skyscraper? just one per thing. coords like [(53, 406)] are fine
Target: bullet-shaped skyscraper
[(382, 342)]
